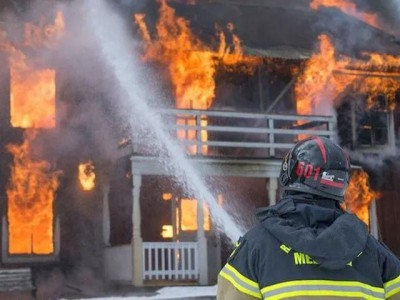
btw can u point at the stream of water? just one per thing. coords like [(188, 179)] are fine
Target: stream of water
[(117, 47)]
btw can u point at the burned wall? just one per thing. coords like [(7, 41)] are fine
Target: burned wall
[(120, 202)]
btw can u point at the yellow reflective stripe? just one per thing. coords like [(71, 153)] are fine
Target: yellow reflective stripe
[(240, 282), (323, 287), (241, 277), (392, 292), (392, 287), (322, 282), (323, 293)]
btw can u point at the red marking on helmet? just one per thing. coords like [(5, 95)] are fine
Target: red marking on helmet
[(321, 147), (338, 185)]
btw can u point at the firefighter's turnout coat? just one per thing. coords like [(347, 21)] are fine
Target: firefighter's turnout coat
[(309, 248)]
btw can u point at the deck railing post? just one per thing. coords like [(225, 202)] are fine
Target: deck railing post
[(198, 134), (271, 137)]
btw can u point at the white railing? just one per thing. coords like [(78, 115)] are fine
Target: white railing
[(242, 134), (170, 261)]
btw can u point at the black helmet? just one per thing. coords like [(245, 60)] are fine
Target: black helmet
[(318, 166)]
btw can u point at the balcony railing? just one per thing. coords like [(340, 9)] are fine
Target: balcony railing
[(236, 134)]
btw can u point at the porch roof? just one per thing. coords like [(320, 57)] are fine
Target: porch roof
[(262, 168)]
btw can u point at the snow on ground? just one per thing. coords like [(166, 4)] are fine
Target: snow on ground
[(173, 293)]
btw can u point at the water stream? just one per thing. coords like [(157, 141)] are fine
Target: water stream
[(117, 47)]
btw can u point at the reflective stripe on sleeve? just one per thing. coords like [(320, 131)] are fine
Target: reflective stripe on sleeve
[(322, 288), (392, 287), (240, 282)]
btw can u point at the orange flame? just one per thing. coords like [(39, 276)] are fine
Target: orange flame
[(32, 96), (359, 195), (190, 63), (327, 75), (33, 90), (30, 192), (317, 82), (32, 186), (348, 8), (87, 176), (189, 215)]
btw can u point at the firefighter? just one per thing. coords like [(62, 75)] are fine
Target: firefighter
[(306, 246)]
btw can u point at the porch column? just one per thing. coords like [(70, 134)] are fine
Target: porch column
[(373, 220), (202, 244), (137, 242), (272, 187)]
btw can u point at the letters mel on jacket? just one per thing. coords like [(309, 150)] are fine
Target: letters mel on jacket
[(304, 251)]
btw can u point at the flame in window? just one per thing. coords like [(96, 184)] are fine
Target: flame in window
[(32, 97), (189, 215), (87, 176), (30, 192), (167, 231), (32, 88)]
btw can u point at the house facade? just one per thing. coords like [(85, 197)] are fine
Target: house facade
[(124, 208)]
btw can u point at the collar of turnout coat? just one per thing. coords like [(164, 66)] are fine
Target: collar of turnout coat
[(332, 237)]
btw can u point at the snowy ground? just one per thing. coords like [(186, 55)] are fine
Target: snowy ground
[(187, 292)]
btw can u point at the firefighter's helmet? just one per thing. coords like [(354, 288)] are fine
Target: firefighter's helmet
[(318, 166)]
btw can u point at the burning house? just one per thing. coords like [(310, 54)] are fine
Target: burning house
[(236, 99), (85, 198)]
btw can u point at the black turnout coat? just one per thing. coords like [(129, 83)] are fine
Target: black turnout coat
[(308, 248)]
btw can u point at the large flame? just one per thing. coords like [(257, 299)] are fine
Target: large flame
[(327, 76), (317, 82), (33, 89), (349, 8), (32, 96), (87, 176), (30, 192), (359, 195), (190, 63), (32, 185)]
